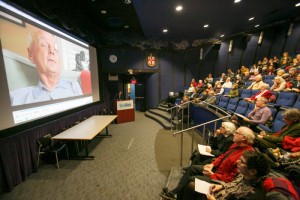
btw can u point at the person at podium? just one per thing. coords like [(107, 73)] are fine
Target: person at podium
[(120, 96)]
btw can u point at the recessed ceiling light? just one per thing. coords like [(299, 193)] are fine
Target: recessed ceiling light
[(257, 25), (237, 1), (222, 35), (298, 4), (126, 26), (178, 8), (251, 18), (165, 30), (205, 26), (103, 12)]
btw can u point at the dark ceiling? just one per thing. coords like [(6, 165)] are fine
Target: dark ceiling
[(140, 22)]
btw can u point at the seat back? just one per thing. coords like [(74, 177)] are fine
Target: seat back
[(232, 104), (226, 91), (286, 99), (278, 122), (242, 107), (223, 102), (297, 102), (45, 141), (250, 108), (254, 92), (246, 93)]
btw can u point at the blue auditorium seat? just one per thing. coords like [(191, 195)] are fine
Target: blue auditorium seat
[(278, 123), (250, 108), (255, 92), (248, 83), (226, 91), (223, 102), (246, 93), (285, 99), (242, 107), (232, 104), (297, 102)]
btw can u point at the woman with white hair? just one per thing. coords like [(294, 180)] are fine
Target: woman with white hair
[(220, 141), (279, 84)]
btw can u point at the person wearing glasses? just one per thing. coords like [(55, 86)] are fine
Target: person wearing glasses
[(248, 184), (220, 141), (224, 168)]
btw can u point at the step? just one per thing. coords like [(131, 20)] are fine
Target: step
[(161, 120), (160, 112)]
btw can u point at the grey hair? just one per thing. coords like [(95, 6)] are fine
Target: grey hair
[(248, 133), (229, 127), (265, 85), (292, 114)]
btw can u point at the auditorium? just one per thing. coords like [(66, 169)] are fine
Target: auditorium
[(152, 99)]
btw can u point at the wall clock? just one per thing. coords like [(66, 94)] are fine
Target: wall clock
[(113, 58)]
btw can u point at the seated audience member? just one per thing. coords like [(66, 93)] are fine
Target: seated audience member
[(295, 85), (195, 94), (211, 99), (201, 97), (228, 83), (264, 92), (261, 114), (257, 83), (271, 70), (234, 92), (296, 63), (240, 82), (255, 73), (253, 69), (200, 84), (239, 74), (252, 167), (194, 83), (219, 143), (177, 113), (279, 84), (292, 128), (224, 168), (223, 78), (280, 73), (244, 69), (209, 78), (209, 87), (191, 90), (285, 60), (276, 62), (291, 76), (218, 88), (265, 61), (119, 96), (230, 74), (246, 76)]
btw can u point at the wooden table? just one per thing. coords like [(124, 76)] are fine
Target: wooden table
[(87, 130)]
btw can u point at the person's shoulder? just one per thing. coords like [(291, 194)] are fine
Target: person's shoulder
[(18, 96)]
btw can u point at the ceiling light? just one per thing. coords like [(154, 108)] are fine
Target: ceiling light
[(237, 1), (257, 25), (126, 26), (251, 18), (178, 8), (222, 35), (298, 4), (205, 26), (165, 30), (127, 1), (103, 12)]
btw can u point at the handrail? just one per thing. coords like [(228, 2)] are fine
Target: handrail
[(196, 126), (182, 112)]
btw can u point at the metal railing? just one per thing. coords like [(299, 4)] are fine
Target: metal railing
[(182, 113), (227, 115)]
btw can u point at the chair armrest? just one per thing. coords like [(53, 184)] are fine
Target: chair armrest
[(264, 128)]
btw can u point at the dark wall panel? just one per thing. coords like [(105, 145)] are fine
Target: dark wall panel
[(279, 40), (249, 53), (133, 59), (166, 70), (152, 88), (293, 42), (178, 71)]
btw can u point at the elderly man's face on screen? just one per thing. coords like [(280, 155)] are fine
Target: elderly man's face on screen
[(43, 52)]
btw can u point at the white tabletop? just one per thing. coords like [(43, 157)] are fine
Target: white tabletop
[(87, 129)]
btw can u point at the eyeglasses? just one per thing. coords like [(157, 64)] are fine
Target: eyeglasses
[(237, 133), (242, 161)]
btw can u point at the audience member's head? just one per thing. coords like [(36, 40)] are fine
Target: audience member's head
[(229, 127), (264, 87), (291, 115), (244, 135)]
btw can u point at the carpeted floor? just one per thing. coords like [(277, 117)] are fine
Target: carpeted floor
[(133, 164)]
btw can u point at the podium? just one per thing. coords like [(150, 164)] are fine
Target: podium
[(125, 111)]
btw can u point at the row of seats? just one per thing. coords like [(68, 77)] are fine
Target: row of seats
[(236, 105), (283, 99)]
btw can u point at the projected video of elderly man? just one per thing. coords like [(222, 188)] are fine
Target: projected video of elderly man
[(43, 53)]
